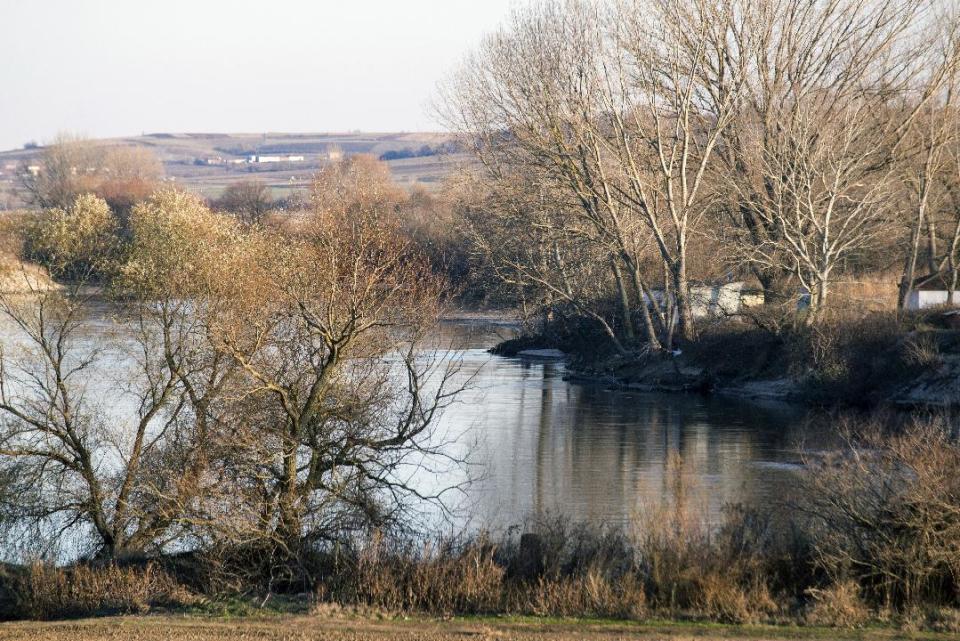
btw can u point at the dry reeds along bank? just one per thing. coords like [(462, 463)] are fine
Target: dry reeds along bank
[(869, 536)]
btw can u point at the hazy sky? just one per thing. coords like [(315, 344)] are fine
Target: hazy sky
[(123, 67)]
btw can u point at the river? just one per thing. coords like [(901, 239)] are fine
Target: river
[(537, 445), (543, 446)]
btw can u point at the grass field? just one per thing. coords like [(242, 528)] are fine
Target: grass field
[(303, 628)]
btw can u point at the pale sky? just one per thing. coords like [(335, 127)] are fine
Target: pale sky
[(105, 68)]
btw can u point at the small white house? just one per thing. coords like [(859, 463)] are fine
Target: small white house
[(925, 298), (715, 301)]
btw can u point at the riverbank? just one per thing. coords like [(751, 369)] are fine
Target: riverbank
[(866, 362), (301, 627)]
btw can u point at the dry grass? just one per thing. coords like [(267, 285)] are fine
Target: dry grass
[(872, 292), (591, 595), (872, 539), (436, 580), (47, 592), (673, 565), (156, 628), (480, 578), (838, 605)]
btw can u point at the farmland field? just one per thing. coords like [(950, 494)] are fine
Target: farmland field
[(185, 157)]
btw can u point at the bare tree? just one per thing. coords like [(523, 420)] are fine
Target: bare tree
[(168, 300), (64, 170), (356, 184), (272, 388), (79, 469), (339, 400), (929, 172), (670, 90), (526, 242), (623, 108), (924, 182), (71, 165), (529, 98), (949, 264), (832, 91), (248, 200)]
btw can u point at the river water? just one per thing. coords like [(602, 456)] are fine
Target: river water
[(543, 446), (537, 445)]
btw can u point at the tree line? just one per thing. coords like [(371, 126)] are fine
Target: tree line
[(630, 147)]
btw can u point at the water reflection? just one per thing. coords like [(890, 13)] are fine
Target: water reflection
[(542, 445), (549, 446)]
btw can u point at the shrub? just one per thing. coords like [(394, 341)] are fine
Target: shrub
[(592, 594), (720, 598), (442, 580), (838, 605), (884, 512), (46, 592), (941, 619), (847, 359), (922, 350)]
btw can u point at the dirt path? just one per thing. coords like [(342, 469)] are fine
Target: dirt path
[(298, 628)]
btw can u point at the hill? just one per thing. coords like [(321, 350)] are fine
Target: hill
[(207, 162)]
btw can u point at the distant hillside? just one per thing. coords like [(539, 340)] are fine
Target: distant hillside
[(207, 162)]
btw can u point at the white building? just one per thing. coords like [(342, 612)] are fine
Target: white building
[(925, 298), (257, 158), (716, 301)]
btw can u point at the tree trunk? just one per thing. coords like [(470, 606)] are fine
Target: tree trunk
[(546, 315), (910, 262), (954, 278), (931, 246), (682, 294), (778, 287), (288, 528), (644, 294), (952, 268), (624, 298), (818, 302), (652, 339)]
